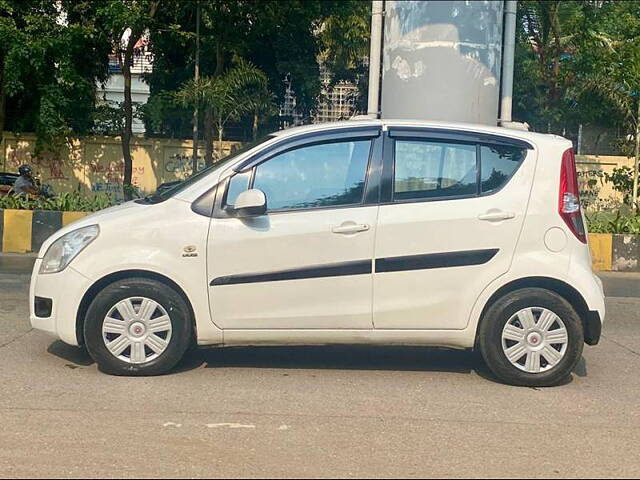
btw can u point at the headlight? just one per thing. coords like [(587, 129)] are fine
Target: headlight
[(66, 248)]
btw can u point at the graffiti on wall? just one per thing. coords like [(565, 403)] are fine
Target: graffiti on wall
[(108, 177), (179, 164), (47, 166), (95, 165)]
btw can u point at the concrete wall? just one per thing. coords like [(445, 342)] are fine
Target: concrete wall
[(95, 164), (593, 167), (442, 60)]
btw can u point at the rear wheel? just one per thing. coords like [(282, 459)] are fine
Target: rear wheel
[(137, 326), (531, 337)]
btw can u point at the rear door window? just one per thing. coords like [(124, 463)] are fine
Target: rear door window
[(498, 164), (428, 169)]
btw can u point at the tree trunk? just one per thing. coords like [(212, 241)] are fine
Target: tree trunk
[(634, 201), (3, 97), (211, 120), (196, 76), (208, 137), (220, 142), (255, 127), (128, 105), (128, 117)]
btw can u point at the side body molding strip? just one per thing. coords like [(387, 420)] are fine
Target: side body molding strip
[(435, 260), (363, 267), (357, 267)]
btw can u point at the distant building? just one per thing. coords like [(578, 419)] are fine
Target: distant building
[(113, 91), (334, 103), (289, 114)]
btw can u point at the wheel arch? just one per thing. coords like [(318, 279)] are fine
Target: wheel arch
[(566, 291), (100, 284)]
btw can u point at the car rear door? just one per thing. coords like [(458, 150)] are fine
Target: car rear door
[(453, 205), (307, 263)]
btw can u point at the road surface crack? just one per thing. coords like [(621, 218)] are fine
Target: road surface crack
[(630, 350), (2, 345)]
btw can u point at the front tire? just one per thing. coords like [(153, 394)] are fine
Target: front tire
[(531, 337), (137, 326)]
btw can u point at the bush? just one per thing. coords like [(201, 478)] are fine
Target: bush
[(614, 223), (65, 202)]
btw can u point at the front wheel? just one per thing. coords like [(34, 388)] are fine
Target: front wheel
[(531, 337), (137, 326)]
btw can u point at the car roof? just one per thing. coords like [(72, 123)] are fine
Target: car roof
[(458, 126)]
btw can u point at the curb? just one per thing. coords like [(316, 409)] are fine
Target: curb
[(23, 231), (615, 252)]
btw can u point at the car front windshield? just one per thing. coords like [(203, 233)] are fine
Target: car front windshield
[(163, 195)]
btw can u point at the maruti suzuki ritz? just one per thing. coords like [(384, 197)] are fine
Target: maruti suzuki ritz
[(358, 232)]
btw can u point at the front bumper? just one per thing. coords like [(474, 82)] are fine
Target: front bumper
[(65, 290)]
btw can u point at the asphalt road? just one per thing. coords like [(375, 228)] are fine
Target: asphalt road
[(314, 411)]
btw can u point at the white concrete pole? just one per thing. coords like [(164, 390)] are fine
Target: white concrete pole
[(508, 55), (375, 54)]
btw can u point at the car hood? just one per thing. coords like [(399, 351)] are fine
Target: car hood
[(95, 218)]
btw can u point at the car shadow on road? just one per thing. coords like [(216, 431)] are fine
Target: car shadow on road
[(339, 357), (76, 356), (347, 357), (325, 357)]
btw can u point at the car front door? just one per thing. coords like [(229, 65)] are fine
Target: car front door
[(452, 209), (306, 263)]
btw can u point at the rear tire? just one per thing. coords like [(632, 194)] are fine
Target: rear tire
[(531, 337), (138, 326)]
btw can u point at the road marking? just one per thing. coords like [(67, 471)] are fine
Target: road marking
[(228, 425), (171, 424)]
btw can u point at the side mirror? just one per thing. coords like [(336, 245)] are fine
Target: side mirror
[(250, 203)]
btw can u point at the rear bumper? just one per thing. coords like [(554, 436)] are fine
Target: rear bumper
[(592, 328)]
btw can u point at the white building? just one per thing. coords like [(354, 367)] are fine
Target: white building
[(113, 91)]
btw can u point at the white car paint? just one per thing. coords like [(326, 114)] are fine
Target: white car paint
[(439, 307)]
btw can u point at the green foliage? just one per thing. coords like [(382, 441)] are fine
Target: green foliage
[(131, 191), (622, 181), (345, 46), (65, 202), (48, 68), (576, 62), (108, 119), (240, 90), (614, 223)]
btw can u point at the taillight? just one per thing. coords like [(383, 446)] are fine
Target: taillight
[(569, 204)]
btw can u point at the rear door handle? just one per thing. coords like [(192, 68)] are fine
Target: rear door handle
[(350, 227), (496, 216)]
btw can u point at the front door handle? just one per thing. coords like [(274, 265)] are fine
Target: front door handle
[(350, 227), (496, 216)]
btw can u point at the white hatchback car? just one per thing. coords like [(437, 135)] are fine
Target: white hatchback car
[(359, 232)]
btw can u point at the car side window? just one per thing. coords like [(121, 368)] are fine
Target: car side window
[(322, 175), (498, 163), (428, 169)]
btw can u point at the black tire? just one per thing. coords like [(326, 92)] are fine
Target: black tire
[(175, 306), (494, 320)]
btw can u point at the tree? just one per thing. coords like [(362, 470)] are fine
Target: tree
[(127, 21), (240, 90), (544, 51), (615, 76), (345, 36), (51, 55), (283, 39)]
